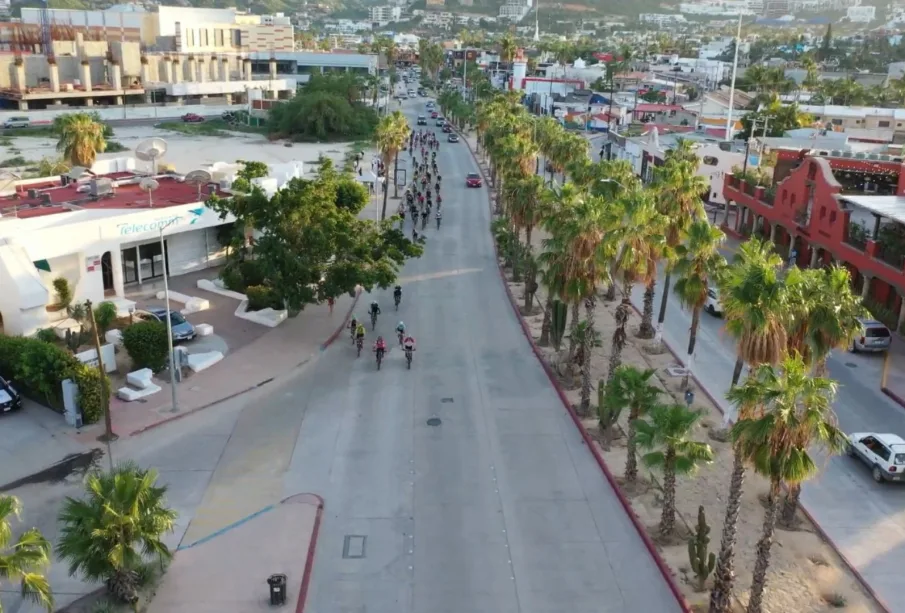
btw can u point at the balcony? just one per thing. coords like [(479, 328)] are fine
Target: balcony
[(892, 257), (856, 238), (748, 194)]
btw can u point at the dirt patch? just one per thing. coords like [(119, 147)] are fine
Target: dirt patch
[(805, 573)]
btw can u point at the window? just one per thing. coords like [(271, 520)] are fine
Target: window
[(822, 212), (709, 160), (882, 450), (785, 196), (883, 124), (792, 200), (833, 217), (836, 122)]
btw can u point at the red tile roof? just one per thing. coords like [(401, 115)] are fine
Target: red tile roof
[(657, 108)]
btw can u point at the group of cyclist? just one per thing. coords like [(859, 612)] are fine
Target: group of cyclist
[(419, 195), (358, 332)]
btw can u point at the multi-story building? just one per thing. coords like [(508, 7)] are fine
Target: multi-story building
[(716, 7), (384, 14), (442, 19), (834, 207), (861, 14), (515, 10), (661, 19)]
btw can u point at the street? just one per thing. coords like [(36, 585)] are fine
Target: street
[(866, 520)]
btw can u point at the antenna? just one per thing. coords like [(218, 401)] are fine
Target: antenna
[(198, 178), (149, 185), (8, 179), (150, 150)]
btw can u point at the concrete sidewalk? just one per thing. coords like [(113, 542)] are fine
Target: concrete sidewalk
[(227, 571), (271, 356)]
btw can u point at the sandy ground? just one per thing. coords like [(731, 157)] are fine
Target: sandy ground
[(805, 573)]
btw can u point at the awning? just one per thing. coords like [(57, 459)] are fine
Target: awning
[(42, 265)]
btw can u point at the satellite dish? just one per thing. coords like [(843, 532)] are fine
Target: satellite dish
[(76, 172), (150, 151), (149, 185), (198, 178)]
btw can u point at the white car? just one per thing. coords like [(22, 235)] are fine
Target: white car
[(883, 453), (712, 305)]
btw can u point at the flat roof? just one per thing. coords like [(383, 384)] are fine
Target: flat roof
[(52, 197), (891, 207)]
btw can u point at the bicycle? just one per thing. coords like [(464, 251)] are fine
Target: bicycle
[(400, 335), (397, 300), (408, 360), (379, 358), (438, 223), (373, 321), (359, 343)]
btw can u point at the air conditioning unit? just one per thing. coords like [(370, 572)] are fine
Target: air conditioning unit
[(100, 187), (46, 200), (823, 152), (32, 193)]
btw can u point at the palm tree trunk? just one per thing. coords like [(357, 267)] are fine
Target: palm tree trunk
[(590, 304), (764, 546), (668, 515), (724, 575), (692, 341), (395, 186), (647, 316), (573, 326), (631, 457), (790, 505), (622, 312), (545, 326), (663, 299), (530, 272), (386, 193)]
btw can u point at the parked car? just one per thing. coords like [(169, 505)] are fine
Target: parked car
[(434, 115), (10, 399), (183, 330), (422, 120), (875, 336), (713, 305), (429, 105), (440, 122), (883, 453), (192, 118), (422, 92), (453, 138), (17, 122), (473, 179)]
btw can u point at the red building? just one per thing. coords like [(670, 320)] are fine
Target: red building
[(834, 207)]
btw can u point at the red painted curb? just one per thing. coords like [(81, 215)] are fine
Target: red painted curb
[(854, 571), (626, 505), (309, 559), (894, 396), (322, 347)]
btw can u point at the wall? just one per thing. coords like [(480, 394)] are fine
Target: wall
[(219, 88), (168, 16), (22, 294), (191, 251), (126, 112)]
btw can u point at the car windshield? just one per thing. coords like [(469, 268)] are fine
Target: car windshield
[(877, 332), (472, 175), (176, 318), (899, 458)]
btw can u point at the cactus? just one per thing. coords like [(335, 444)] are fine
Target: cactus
[(558, 322), (702, 561), (608, 413)]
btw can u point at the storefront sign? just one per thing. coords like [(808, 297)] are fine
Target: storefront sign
[(89, 357), (160, 223)]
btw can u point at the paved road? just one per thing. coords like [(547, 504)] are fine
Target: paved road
[(866, 520)]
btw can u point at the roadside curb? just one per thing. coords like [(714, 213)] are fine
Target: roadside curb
[(323, 346), (829, 541), (312, 550), (626, 505)]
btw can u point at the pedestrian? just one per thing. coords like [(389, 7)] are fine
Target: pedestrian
[(330, 302)]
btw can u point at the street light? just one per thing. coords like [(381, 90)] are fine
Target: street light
[(166, 293)]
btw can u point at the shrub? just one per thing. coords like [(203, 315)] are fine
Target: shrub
[(104, 316), (252, 272), (232, 279), (91, 393), (64, 292), (146, 343), (46, 335), (262, 297)]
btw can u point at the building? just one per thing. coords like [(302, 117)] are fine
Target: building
[(834, 207), (515, 10), (661, 19), (861, 14), (384, 14)]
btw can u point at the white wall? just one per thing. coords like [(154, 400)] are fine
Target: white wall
[(169, 15), (127, 112), (23, 296)]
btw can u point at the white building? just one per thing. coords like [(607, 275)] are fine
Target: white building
[(661, 19), (385, 14), (515, 10), (103, 244), (348, 26), (442, 19), (861, 14), (715, 48), (716, 8)]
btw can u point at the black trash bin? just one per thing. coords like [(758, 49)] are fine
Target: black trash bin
[(277, 585)]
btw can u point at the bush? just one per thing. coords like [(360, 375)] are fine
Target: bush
[(232, 278), (262, 297), (252, 272), (146, 343), (47, 335), (104, 316), (64, 292), (91, 390)]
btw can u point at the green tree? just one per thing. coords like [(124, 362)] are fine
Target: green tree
[(24, 559), (826, 45), (666, 433), (632, 388), (122, 519), (80, 138), (391, 135)]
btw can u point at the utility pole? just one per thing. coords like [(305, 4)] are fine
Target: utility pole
[(108, 436), (166, 291), (738, 40)]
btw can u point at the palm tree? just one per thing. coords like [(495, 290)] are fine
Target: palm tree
[(508, 47), (526, 194), (637, 231), (798, 415), (679, 190), (391, 135), (672, 451), (107, 535), (24, 560), (80, 138), (699, 266), (632, 388)]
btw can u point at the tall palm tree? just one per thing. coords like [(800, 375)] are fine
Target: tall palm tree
[(391, 135), (632, 388), (798, 415), (667, 436), (80, 138), (107, 535), (508, 47), (526, 194), (637, 231), (24, 560), (699, 266), (679, 189)]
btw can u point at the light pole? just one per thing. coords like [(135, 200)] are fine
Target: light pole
[(166, 294)]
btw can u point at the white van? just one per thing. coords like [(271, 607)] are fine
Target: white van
[(17, 122)]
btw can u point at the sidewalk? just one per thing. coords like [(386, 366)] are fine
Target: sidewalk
[(227, 571), (271, 356)]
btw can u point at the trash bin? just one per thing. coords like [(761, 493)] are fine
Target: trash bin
[(277, 585)]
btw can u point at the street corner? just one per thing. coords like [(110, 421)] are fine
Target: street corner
[(208, 575)]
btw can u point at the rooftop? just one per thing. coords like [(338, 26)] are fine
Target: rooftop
[(890, 207), (51, 197)]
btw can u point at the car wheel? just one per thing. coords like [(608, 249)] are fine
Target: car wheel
[(850, 450), (877, 474), (709, 308), (853, 348)]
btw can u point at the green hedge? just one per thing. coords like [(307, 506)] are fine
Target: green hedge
[(146, 343), (262, 297), (39, 368)]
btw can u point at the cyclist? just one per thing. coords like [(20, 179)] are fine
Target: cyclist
[(424, 219), (360, 332), (439, 217), (380, 347), (400, 331), (397, 295), (353, 325), (374, 310)]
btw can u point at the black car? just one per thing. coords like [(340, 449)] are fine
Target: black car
[(447, 128), (422, 120), (453, 138), (10, 400)]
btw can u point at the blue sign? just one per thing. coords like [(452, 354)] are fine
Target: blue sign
[(128, 229)]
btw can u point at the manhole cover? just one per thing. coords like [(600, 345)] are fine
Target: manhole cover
[(434, 421), (851, 365), (444, 400)]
